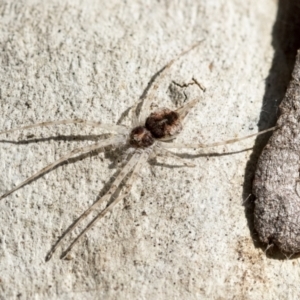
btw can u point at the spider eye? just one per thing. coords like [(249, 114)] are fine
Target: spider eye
[(140, 137), (163, 123)]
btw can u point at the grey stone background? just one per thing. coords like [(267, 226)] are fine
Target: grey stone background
[(183, 233)]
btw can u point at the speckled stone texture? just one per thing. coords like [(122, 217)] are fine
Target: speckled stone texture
[(276, 184), (182, 233)]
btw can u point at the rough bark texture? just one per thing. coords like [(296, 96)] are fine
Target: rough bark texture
[(183, 233), (276, 184)]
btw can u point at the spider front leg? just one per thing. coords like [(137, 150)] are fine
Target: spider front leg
[(151, 90), (110, 141)]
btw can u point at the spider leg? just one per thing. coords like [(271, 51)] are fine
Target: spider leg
[(196, 146), (136, 162), (86, 149), (166, 153), (116, 183), (135, 118), (114, 128), (145, 109), (185, 109)]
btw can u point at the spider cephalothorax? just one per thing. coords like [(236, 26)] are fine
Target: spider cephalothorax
[(140, 137)]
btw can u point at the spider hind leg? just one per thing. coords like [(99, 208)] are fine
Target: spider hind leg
[(134, 163)]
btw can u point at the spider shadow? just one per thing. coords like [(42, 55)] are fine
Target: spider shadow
[(154, 161), (68, 138), (212, 154), (286, 42)]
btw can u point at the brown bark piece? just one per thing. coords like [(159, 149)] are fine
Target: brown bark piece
[(277, 204)]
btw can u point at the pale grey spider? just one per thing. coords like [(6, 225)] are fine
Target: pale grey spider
[(151, 135)]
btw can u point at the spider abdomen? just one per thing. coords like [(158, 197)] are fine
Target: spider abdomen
[(163, 123)]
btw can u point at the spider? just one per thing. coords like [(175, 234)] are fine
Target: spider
[(151, 135)]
